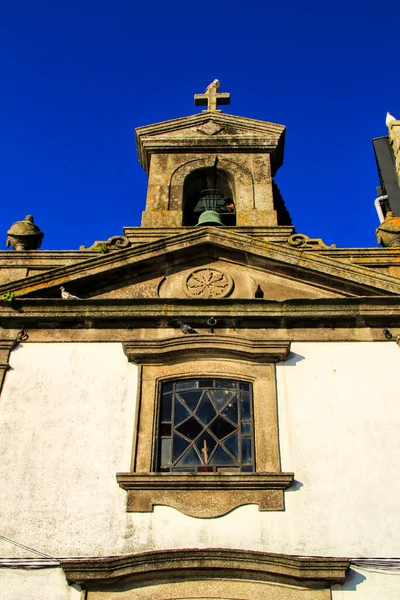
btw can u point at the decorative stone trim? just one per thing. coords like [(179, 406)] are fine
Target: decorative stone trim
[(164, 565), (206, 345), (206, 495), (319, 268), (300, 240), (255, 313), (208, 283), (6, 346), (116, 242), (254, 136), (264, 489)]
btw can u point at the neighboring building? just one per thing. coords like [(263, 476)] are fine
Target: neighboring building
[(387, 155), (216, 413)]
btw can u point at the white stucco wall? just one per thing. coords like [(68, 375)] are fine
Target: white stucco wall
[(66, 423), (50, 584), (363, 584), (41, 584)]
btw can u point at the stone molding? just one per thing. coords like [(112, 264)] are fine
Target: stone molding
[(215, 493), (191, 347), (116, 242), (307, 571), (142, 235), (6, 346), (378, 311), (251, 134), (191, 356), (316, 267), (293, 334), (300, 240)]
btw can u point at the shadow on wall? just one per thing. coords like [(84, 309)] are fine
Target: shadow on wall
[(295, 486), (353, 579), (293, 359)]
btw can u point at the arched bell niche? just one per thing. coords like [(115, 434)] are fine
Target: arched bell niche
[(208, 188)]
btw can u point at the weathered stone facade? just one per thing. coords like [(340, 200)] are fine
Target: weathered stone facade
[(249, 300)]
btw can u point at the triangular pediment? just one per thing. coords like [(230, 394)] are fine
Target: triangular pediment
[(175, 127), (208, 279), (214, 131), (233, 264)]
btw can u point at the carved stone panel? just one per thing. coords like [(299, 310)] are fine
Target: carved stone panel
[(215, 280), (208, 283)]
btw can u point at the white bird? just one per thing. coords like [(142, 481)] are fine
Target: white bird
[(389, 119), (66, 295), (215, 84)]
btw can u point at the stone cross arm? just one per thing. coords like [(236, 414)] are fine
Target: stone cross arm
[(211, 99)]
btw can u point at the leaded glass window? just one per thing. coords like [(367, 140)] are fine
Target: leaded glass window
[(205, 425)]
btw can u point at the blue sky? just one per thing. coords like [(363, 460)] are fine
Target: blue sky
[(78, 77)]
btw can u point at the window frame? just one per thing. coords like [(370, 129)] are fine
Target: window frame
[(243, 467), (211, 356)]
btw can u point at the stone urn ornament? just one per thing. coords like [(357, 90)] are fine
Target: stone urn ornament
[(388, 232), (24, 235)]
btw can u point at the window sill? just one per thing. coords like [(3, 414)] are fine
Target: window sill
[(204, 495)]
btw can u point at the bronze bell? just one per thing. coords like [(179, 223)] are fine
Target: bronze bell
[(210, 200), (209, 217)]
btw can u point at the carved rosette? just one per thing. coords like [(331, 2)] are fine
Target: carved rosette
[(208, 283)]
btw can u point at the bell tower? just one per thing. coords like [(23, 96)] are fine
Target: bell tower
[(212, 168)]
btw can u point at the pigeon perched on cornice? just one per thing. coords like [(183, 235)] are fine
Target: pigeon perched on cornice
[(215, 84), (389, 119), (185, 328), (66, 295)]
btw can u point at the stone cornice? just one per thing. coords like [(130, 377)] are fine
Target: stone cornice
[(251, 135), (344, 312), (279, 233), (175, 125), (206, 346), (325, 271), (168, 564), (11, 256)]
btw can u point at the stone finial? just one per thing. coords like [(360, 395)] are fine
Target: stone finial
[(388, 232), (24, 235), (211, 98)]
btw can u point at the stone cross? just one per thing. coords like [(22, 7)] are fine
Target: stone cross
[(211, 98)]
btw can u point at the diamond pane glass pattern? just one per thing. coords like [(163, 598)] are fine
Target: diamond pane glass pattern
[(205, 425)]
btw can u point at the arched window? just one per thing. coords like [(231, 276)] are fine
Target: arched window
[(206, 425), (208, 188)]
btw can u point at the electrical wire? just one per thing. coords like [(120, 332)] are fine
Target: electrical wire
[(388, 565), (2, 537)]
